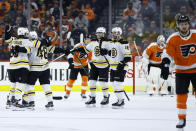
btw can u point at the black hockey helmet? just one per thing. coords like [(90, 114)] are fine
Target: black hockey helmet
[(182, 18)]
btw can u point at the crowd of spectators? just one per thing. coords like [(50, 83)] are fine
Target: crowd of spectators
[(141, 18), (77, 15)]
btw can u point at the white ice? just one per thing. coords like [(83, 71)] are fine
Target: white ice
[(142, 113)]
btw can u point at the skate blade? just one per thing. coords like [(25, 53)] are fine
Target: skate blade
[(50, 109), (180, 129), (30, 108), (117, 107), (104, 106), (8, 107), (91, 106), (18, 109)]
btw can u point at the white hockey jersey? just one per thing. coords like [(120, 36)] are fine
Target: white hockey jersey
[(38, 59), (119, 50), (19, 60), (97, 59)]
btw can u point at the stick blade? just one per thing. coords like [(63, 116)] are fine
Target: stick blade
[(57, 97)]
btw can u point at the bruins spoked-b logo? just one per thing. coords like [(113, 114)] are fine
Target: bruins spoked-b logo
[(113, 53), (188, 49), (158, 54), (97, 51)]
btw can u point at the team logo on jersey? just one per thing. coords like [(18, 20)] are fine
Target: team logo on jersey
[(158, 54), (83, 55), (188, 49), (113, 53), (97, 51)]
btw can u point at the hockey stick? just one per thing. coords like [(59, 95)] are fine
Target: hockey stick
[(126, 95), (56, 58)]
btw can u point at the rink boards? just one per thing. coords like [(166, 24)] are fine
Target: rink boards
[(60, 74)]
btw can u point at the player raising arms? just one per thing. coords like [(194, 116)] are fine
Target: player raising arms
[(19, 64), (152, 60), (39, 69), (181, 47)]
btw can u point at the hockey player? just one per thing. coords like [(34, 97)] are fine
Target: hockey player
[(181, 47), (120, 54), (99, 68), (19, 64), (78, 63), (39, 69), (152, 60)]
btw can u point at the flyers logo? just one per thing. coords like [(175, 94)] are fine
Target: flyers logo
[(158, 54), (83, 55), (188, 49)]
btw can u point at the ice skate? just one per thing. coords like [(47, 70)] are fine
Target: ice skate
[(83, 96), (105, 101), (91, 102), (9, 103), (181, 124), (164, 92), (25, 103), (66, 96), (31, 105), (18, 106), (119, 104), (50, 106)]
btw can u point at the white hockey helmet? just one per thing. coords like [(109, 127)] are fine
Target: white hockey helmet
[(33, 35), (21, 31), (101, 30), (161, 41), (117, 30)]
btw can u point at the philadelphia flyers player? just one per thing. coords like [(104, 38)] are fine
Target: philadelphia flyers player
[(181, 47), (152, 60), (78, 63)]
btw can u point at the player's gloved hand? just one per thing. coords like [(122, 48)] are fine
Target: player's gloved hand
[(103, 51), (165, 68), (71, 65), (8, 32), (66, 52), (20, 49), (121, 65)]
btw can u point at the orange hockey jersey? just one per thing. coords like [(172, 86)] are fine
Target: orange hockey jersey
[(153, 53), (183, 51), (83, 57)]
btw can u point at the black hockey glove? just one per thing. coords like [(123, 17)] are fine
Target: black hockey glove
[(103, 51), (121, 65), (20, 49), (58, 50), (165, 68), (8, 32), (71, 65)]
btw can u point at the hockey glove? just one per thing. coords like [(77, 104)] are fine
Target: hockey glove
[(121, 65), (71, 65), (165, 68), (8, 32), (103, 51), (20, 49)]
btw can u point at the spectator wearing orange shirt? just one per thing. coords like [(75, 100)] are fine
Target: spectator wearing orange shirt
[(129, 11), (88, 12)]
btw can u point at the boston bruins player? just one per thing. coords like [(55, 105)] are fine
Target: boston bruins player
[(119, 54), (19, 63), (99, 68), (39, 69)]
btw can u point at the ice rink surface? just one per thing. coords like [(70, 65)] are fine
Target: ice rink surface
[(142, 113)]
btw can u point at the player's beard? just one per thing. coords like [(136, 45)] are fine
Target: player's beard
[(184, 32)]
